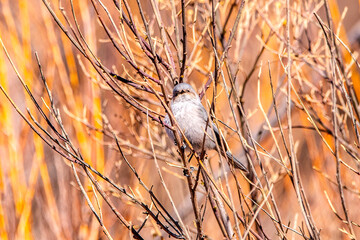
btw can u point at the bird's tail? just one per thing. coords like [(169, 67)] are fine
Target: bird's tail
[(236, 162)]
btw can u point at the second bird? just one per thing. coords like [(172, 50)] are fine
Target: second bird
[(192, 118)]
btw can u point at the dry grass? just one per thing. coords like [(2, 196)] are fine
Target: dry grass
[(85, 87)]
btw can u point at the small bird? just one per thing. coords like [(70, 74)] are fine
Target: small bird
[(192, 118)]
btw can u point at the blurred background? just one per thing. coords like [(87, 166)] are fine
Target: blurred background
[(81, 45)]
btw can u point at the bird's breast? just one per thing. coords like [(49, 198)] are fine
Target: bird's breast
[(188, 115), (192, 118)]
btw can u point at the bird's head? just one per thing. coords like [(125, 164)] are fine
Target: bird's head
[(184, 92)]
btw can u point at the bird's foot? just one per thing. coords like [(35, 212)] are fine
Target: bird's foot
[(186, 172), (183, 146)]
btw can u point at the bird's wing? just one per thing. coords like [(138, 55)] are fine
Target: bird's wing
[(218, 137)]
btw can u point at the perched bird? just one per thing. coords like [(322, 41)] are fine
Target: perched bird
[(192, 118)]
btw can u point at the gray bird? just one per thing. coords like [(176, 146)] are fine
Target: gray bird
[(192, 117)]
